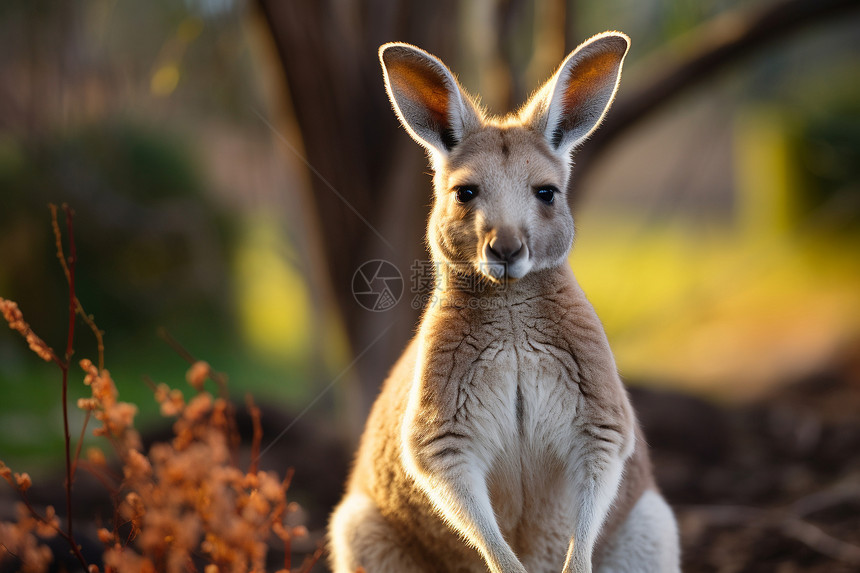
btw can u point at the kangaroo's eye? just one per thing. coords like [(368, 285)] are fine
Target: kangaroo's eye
[(466, 193), (546, 194)]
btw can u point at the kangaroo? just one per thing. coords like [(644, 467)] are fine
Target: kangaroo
[(503, 439)]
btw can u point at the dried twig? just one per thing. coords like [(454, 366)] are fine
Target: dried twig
[(220, 379), (176, 345), (87, 318), (77, 455), (815, 538), (788, 521), (311, 560), (68, 265), (254, 412), (39, 517), (826, 498)]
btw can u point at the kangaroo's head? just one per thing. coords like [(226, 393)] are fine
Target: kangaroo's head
[(500, 207)]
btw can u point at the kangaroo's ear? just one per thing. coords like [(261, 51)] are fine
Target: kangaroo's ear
[(428, 100), (573, 102)]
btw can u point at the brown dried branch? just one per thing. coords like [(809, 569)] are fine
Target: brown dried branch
[(87, 318), (311, 560), (219, 378), (837, 495), (824, 543), (254, 412), (13, 315), (21, 483), (789, 521), (106, 478), (176, 346), (70, 341), (16, 321), (77, 455)]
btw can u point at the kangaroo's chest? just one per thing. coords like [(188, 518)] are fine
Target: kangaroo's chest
[(532, 387), (528, 383)]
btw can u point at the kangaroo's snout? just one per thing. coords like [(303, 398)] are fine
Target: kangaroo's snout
[(504, 255), (503, 246)]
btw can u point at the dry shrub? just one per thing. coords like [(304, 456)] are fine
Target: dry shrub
[(183, 504)]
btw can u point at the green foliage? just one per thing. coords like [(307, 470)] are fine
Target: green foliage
[(830, 154), (160, 244)]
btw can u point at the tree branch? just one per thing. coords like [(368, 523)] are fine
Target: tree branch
[(707, 50), (789, 521)]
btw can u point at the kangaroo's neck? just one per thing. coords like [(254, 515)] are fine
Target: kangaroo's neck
[(456, 289)]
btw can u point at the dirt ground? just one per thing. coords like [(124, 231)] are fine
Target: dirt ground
[(772, 486)]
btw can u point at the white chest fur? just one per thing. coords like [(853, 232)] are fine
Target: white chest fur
[(528, 401)]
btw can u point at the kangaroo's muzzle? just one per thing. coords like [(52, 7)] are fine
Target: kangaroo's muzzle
[(505, 255)]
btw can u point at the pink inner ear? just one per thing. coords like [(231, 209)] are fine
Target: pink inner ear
[(594, 74), (423, 87)]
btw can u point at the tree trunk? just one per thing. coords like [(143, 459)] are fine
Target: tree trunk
[(370, 186)]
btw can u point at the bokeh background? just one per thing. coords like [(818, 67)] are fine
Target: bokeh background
[(232, 163)]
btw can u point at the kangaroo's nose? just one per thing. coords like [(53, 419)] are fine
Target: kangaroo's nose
[(504, 247)]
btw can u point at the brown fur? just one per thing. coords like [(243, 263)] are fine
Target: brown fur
[(379, 474)]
